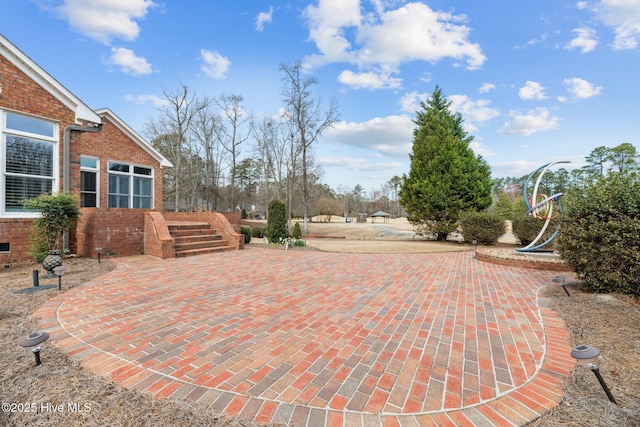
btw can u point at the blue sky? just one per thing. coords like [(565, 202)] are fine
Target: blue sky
[(535, 81)]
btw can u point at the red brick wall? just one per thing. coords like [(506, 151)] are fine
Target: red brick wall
[(120, 232), (16, 232)]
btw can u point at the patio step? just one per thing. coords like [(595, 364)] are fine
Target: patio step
[(196, 238)]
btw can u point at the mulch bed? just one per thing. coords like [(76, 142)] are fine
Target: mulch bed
[(608, 322)]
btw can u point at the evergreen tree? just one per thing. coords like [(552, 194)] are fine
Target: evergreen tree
[(446, 178)]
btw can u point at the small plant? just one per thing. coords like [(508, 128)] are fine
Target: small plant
[(484, 227), (257, 232), (57, 214), (299, 242), (297, 232), (246, 230)]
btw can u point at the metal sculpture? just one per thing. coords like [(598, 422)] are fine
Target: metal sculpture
[(541, 206)]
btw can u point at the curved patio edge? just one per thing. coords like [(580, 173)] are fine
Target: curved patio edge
[(516, 407), (521, 261)]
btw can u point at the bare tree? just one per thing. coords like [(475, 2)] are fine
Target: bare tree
[(307, 116), (172, 129), (204, 131), (234, 129)]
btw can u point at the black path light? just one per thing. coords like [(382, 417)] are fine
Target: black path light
[(563, 282), (59, 271), (585, 352), (99, 251), (33, 341)]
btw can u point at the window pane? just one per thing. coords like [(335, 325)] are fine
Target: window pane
[(118, 191), (142, 186), (19, 188), (87, 162), (30, 124), (118, 167), (141, 171), (88, 189), (142, 202), (29, 156)]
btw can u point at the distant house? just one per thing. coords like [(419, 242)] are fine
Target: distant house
[(52, 142)]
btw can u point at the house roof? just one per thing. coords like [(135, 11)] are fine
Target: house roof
[(83, 113), (134, 136)]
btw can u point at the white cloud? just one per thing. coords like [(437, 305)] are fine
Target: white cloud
[(128, 62), (143, 99), (581, 88), (264, 18), (585, 40), (486, 87), (481, 149), (370, 80), (623, 16), (357, 164), (214, 65), (389, 136), (581, 5), (410, 102), (473, 111), (532, 90), (538, 120), (385, 39), (104, 20)]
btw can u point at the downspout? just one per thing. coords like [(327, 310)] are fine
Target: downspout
[(66, 162)]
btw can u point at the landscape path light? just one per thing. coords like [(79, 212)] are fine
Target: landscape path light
[(59, 271), (563, 282), (33, 341), (585, 352), (99, 251)]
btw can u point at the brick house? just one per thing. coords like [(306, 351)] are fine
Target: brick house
[(52, 142)]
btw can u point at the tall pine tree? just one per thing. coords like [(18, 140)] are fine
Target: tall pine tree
[(446, 178)]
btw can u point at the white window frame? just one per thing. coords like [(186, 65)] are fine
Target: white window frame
[(95, 170), (132, 177), (54, 140)]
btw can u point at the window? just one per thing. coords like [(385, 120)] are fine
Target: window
[(130, 186), (89, 182), (28, 160)]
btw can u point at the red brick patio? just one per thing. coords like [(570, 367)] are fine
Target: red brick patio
[(324, 339)]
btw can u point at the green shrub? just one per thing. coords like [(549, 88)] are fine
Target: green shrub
[(277, 222), (526, 228), (484, 227), (244, 214), (299, 242), (257, 232), (297, 232), (38, 246), (599, 235), (58, 213), (246, 230)]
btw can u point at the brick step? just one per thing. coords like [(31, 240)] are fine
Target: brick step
[(200, 245), (197, 238), (202, 251), (191, 231)]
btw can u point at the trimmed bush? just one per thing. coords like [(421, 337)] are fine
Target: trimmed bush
[(599, 235), (526, 228), (277, 222), (299, 242), (246, 230), (297, 232), (257, 232), (484, 227)]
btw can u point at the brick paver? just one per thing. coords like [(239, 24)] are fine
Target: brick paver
[(313, 338)]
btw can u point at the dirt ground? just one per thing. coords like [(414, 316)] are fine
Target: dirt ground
[(609, 322)]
